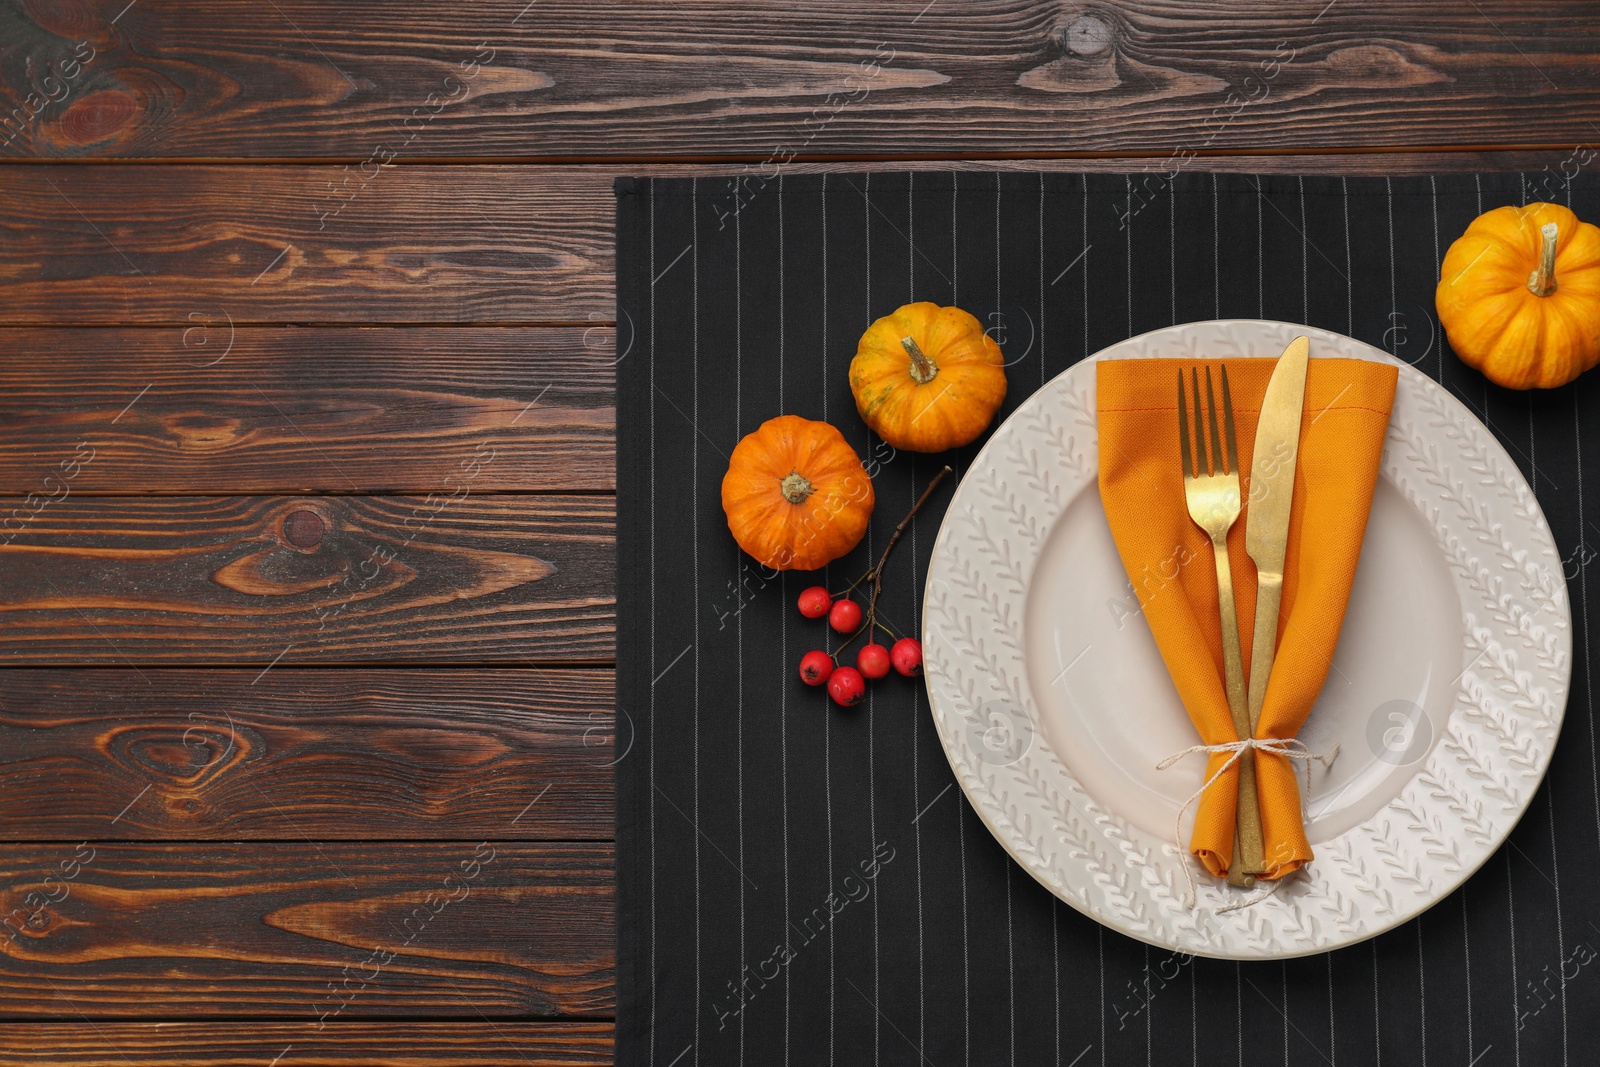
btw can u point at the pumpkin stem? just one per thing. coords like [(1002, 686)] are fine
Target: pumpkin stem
[(796, 488), (1542, 282), (922, 368)]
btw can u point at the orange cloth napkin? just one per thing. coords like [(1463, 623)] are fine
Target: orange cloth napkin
[(1168, 559)]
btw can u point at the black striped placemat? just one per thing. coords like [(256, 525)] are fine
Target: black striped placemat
[(805, 885)]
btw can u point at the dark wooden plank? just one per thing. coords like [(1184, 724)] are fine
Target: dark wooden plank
[(283, 1044), (262, 580), (257, 410), (320, 931), (347, 754), (196, 246), (201, 78)]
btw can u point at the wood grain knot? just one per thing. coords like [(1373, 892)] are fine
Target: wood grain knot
[(1089, 61), (98, 116), (1088, 35), (73, 19), (182, 756), (303, 529), (197, 432), (27, 918)]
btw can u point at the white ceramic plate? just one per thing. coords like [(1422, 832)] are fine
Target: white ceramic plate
[(1446, 693)]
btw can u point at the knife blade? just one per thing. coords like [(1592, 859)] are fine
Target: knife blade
[(1266, 532)]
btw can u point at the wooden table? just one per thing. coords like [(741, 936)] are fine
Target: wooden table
[(306, 418)]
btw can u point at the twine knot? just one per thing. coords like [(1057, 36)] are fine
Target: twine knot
[(1287, 747)]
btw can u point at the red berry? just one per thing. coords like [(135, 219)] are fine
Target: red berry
[(847, 687), (907, 656), (815, 602), (845, 616), (873, 660), (815, 667)]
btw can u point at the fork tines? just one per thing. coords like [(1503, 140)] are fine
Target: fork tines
[(1213, 460)]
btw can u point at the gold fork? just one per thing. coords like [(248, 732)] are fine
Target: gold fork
[(1211, 489)]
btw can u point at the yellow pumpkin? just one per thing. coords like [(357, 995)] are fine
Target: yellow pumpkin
[(927, 378), (796, 494), (1519, 296)]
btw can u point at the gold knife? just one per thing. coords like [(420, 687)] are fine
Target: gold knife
[(1266, 531)]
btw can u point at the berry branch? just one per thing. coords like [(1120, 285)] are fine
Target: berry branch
[(845, 616), (894, 539)]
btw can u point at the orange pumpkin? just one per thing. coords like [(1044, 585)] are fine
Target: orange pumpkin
[(1519, 296), (796, 494), (927, 378)]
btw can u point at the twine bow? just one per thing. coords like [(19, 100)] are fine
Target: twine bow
[(1287, 747)]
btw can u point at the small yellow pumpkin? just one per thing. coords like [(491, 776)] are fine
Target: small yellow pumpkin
[(927, 378), (1519, 296), (796, 494)]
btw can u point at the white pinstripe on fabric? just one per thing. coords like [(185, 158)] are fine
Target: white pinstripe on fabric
[(1466, 936), (916, 802), (1349, 285), (1477, 181), (1583, 577), (738, 619), (1511, 918), (872, 757), (1127, 251), (916, 691), (1394, 300), (1261, 259), (652, 724), (783, 638), (1549, 786), (1333, 1030), (1149, 1014), (1433, 190), (694, 526), (1011, 977), (1055, 944), (1128, 301), (1349, 282), (966, 976), (1377, 1015), (961, 829), (1055, 907), (1011, 953), (827, 733), (1100, 933), (1422, 993), (1216, 248), (1466, 952), (1305, 249), (1583, 590)]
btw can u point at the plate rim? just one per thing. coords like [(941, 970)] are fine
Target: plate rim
[(1538, 528)]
